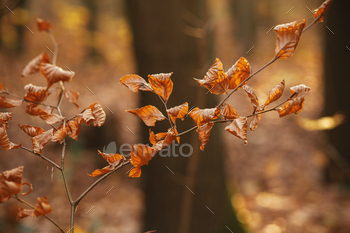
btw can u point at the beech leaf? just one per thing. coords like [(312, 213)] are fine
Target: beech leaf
[(295, 90), (42, 207), (34, 65), (229, 112), (204, 133), (32, 131), (140, 155), (294, 105), (161, 84), (43, 25), (202, 116), (9, 103), (41, 140), (94, 114), (72, 97), (322, 10), (4, 140), (256, 118), (169, 138), (238, 127), (178, 112), (54, 74), (52, 118), (35, 93), (135, 83), (154, 138), (238, 73), (148, 114), (10, 183), (113, 160), (275, 93), (253, 98), (31, 109)]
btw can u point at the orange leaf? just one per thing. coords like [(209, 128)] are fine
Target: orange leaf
[(23, 213), (1, 88), (161, 84), (275, 93), (229, 112), (295, 90), (72, 96), (178, 112), (238, 127), (10, 183), (9, 103), (54, 74), (73, 129), (94, 114), (287, 38), (140, 155), (32, 110), (42, 207), (148, 114), (4, 140), (52, 118), (35, 93), (169, 138), (113, 159), (202, 116), (59, 135), (41, 140), (32, 131), (135, 172), (322, 10), (135, 83), (256, 118), (43, 24), (253, 98), (34, 65), (204, 133), (294, 105), (238, 73), (154, 138), (215, 79)]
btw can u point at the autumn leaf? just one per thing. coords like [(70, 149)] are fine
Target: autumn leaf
[(59, 135), (34, 65), (31, 109), (113, 160), (178, 112), (161, 84), (23, 213), (41, 140), (52, 118), (4, 140), (321, 11), (275, 93), (295, 90), (73, 129), (54, 74), (169, 138), (238, 127), (204, 133), (287, 38), (10, 183), (72, 97), (238, 73), (32, 131), (202, 116), (35, 93), (294, 105), (253, 98), (154, 138), (256, 118), (43, 25), (9, 103), (135, 83), (140, 155), (229, 112), (148, 114), (215, 79), (42, 207), (94, 114), (1, 88)]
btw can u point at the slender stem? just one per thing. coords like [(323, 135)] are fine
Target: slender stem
[(166, 108), (187, 131), (98, 181), (47, 217), (313, 22), (72, 212), (43, 157), (62, 171), (60, 101), (55, 47)]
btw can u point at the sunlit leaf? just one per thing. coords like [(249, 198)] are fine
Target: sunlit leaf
[(204, 133), (135, 83), (202, 116), (35, 93), (169, 138), (154, 138), (148, 114), (238, 73), (322, 10), (113, 160), (32, 131), (9, 103), (253, 98), (41, 140), (42, 207), (229, 112), (135, 172), (10, 183), (94, 114), (287, 38), (73, 129), (34, 65), (238, 127), (275, 93), (295, 90), (294, 105), (52, 118), (43, 25), (178, 112), (54, 74), (140, 155), (256, 118), (161, 84), (59, 135), (72, 97)]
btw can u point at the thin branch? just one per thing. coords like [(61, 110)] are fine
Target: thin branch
[(313, 22), (55, 47), (47, 217), (43, 157), (62, 170), (60, 101), (166, 108)]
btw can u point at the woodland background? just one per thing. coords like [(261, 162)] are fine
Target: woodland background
[(290, 178)]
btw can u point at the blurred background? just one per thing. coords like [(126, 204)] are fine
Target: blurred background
[(293, 176)]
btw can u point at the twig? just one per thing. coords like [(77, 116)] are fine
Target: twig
[(55, 47), (43, 157), (166, 108), (62, 171)]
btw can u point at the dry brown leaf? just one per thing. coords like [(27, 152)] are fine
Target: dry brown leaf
[(161, 84), (154, 138), (295, 90), (23, 213), (178, 112), (204, 133), (215, 79), (43, 25), (1, 88), (34, 65), (54, 74), (169, 138), (42, 207), (4, 140), (238, 73), (140, 155), (294, 105), (32, 131), (72, 97), (94, 114), (73, 129), (10, 183), (35, 93), (256, 118), (113, 160), (322, 10), (229, 112), (31, 109), (287, 38), (59, 135), (9, 103), (148, 114), (202, 116), (135, 83), (238, 127), (253, 98), (41, 140), (52, 118), (275, 93)]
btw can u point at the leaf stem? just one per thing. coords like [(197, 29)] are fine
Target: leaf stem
[(62, 171), (166, 108)]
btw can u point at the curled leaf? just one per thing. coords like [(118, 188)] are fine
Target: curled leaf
[(43, 25), (32, 131), (256, 118), (135, 83), (10, 183), (140, 155), (54, 74), (287, 38), (204, 133), (202, 116), (238, 73), (161, 84), (154, 138), (72, 97), (4, 140), (178, 112), (31, 109), (52, 118), (169, 138), (113, 160), (59, 135), (35, 93), (9, 103), (34, 65), (253, 98), (42, 207), (41, 140), (23, 213), (238, 127), (295, 90), (275, 93), (294, 105), (94, 114), (322, 10), (148, 114), (229, 112)]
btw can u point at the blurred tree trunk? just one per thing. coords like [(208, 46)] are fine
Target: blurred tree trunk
[(162, 44), (337, 82)]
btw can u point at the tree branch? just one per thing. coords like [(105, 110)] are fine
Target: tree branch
[(43, 157)]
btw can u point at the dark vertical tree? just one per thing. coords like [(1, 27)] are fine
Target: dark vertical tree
[(166, 39)]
